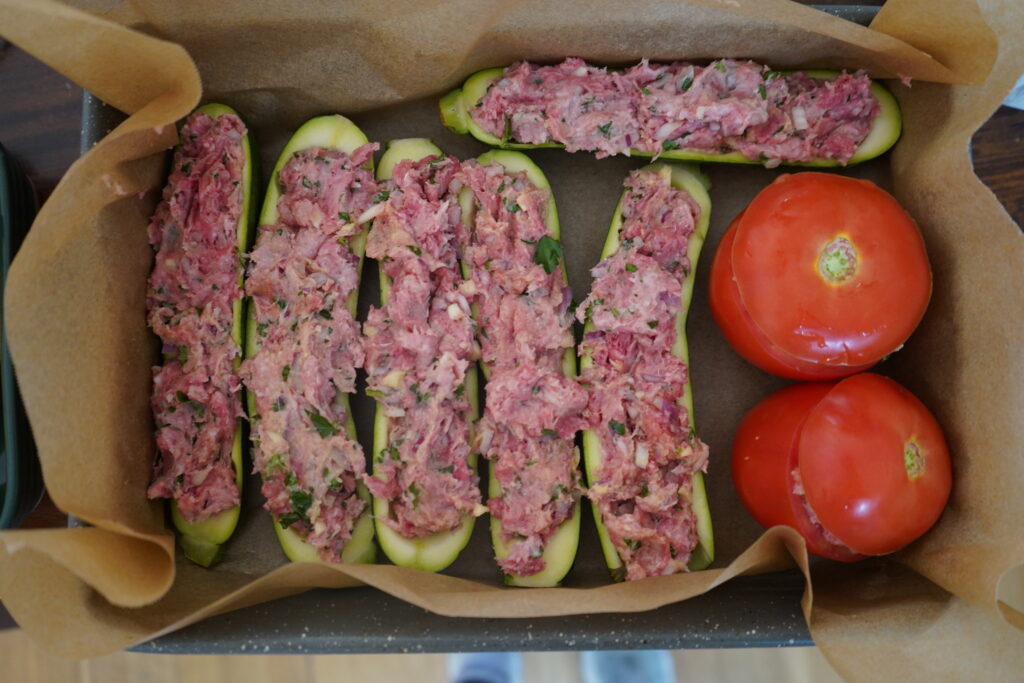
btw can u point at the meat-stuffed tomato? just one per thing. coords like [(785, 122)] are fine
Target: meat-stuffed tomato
[(859, 467), (820, 277)]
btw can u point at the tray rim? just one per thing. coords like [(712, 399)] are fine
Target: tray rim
[(767, 606)]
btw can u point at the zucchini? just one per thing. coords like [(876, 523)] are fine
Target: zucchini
[(203, 542), (435, 552), (688, 179), (455, 107), (560, 552), (333, 132)]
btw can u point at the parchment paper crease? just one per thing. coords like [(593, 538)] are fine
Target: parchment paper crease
[(949, 605)]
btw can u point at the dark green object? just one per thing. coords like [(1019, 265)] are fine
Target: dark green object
[(21, 483), (548, 254)]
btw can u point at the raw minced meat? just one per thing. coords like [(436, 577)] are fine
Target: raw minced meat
[(726, 106), (192, 292), (636, 384), (801, 494), (302, 273), (532, 410), (419, 347)]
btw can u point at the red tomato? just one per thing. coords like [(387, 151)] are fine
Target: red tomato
[(764, 456), (875, 464), (858, 467), (741, 332), (820, 277)]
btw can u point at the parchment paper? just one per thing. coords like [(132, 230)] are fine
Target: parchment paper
[(76, 315)]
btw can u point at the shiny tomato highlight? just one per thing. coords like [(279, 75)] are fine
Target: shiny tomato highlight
[(820, 277), (859, 467)]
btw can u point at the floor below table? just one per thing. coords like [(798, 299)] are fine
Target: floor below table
[(25, 663)]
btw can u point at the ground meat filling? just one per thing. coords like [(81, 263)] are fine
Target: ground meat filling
[(727, 106), (419, 346), (301, 274), (801, 494), (644, 485), (192, 291), (532, 410)]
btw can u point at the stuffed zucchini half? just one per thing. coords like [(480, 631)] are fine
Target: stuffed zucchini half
[(303, 343), (729, 111), (198, 315), (426, 491), (533, 401), (641, 452)]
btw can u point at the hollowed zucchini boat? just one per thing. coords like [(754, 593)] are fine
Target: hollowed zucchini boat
[(689, 180), (886, 129), (560, 551), (435, 552), (328, 132), (203, 542)]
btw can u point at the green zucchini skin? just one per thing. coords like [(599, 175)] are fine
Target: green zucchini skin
[(454, 108), (203, 542), (689, 179), (435, 552), (560, 552), (334, 132)]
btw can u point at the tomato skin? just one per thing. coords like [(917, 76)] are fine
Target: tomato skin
[(764, 456), (846, 440), (762, 449), (852, 460), (741, 332), (792, 312)]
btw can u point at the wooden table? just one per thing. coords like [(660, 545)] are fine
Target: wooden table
[(41, 111)]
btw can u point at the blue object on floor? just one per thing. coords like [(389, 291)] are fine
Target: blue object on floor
[(614, 666), (485, 667), (627, 666)]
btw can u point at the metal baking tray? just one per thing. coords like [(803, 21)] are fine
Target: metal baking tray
[(759, 611)]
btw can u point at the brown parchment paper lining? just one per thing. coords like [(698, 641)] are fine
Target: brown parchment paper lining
[(75, 298)]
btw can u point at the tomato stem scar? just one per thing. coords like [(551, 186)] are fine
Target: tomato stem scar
[(838, 261), (913, 460)]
